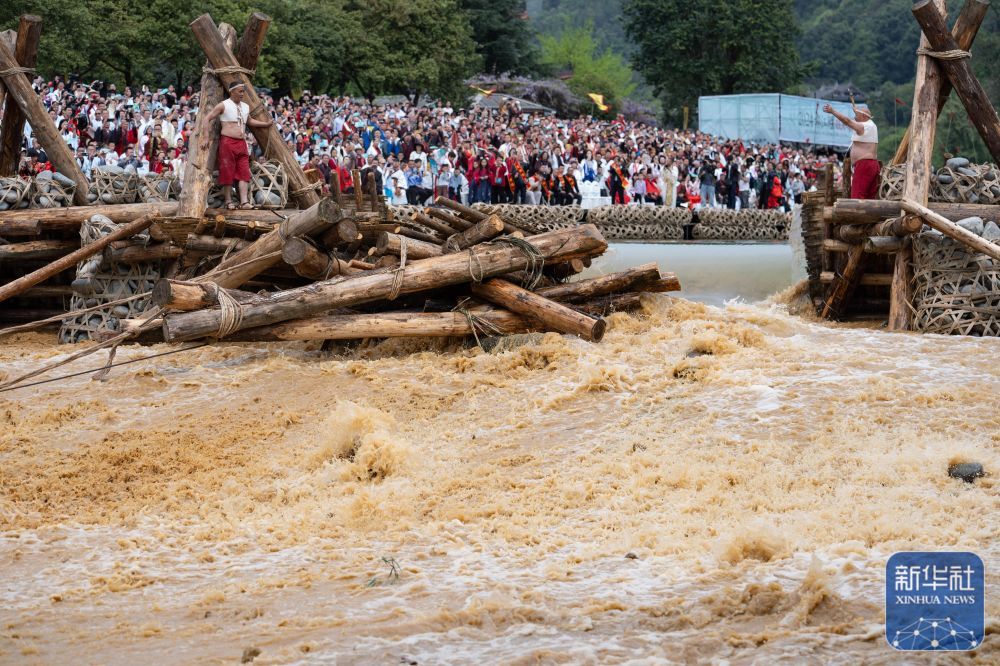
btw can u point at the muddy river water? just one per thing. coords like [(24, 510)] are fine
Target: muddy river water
[(716, 482)]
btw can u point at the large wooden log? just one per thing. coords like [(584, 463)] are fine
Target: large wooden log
[(479, 262), (952, 230), (871, 211), (312, 264), (553, 315), (959, 71), (266, 250), (10, 37), (926, 98), (480, 232), (390, 325), (341, 234), (223, 60), (70, 219), (632, 279), (20, 91), (198, 172), (42, 249), (252, 40), (393, 244), (29, 31), (20, 228), (138, 254), (70, 260), (180, 295), (965, 30)]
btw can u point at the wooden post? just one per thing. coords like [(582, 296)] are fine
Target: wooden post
[(965, 31), (926, 98), (252, 40), (19, 90), (29, 31), (207, 34), (553, 315), (479, 262), (970, 90), (198, 172), (847, 178), (69, 261)]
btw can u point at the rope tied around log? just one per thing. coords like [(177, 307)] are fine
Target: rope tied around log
[(311, 186), (536, 260), (230, 314), (397, 275), (954, 54), (477, 323), (229, 69), (14, 71)]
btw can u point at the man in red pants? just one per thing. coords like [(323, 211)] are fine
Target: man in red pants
[(234, 155), (864, 151)]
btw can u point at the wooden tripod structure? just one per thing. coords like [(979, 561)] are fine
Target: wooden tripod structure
[(942, 66)]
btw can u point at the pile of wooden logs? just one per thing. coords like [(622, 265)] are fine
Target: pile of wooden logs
[(333, 268), (447, 271)]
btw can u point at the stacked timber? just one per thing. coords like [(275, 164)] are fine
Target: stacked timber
[(445, 272)]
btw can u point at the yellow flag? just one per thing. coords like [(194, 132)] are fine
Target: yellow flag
[(485, 93), (599, 101)]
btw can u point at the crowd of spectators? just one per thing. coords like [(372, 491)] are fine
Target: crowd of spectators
[(471, 154)]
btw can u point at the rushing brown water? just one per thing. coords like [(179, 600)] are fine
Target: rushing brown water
[(704, 486)]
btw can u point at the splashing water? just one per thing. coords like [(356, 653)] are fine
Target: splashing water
[(705, 484)]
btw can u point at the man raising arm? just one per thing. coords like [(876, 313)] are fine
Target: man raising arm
[(234, 154), (864, 151)]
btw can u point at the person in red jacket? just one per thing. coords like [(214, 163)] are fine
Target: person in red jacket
[(775, 200), (499, 193)]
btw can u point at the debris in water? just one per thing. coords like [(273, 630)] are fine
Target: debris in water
[(968, 472), (631, 556), (249, 654)]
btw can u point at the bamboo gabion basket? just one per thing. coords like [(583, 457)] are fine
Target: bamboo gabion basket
[(106, 283), (957, 290), (957, 181), (52, 190), (15, 193)]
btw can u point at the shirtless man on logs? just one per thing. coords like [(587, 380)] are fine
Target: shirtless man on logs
[(234, 154), (864, 151)]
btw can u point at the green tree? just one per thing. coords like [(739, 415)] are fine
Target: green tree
[(604, 73), (504, 40), (688, 48)]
